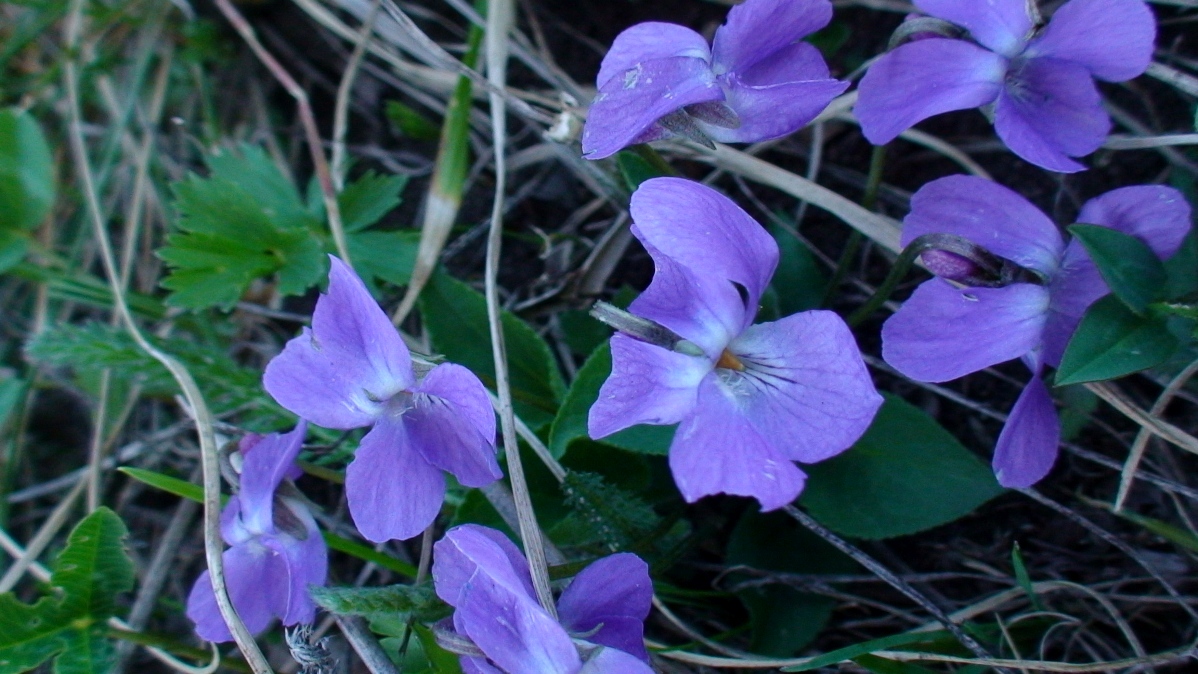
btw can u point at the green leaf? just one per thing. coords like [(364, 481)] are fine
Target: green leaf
[(636, 169), (883, 487), (1183, 268), (366, 200), (784, 619), (615, 517), (571, 421), (1025, 580), (13, 245), (441, 660), (166, 483), (456, 317), (1111, 342), (799, 281), (865, 648), (883, 666), (419, 601), (1132, 271), (87, 576), (26, 172), (389, 256), (411, 123)]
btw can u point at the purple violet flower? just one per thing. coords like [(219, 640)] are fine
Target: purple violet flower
[(749, 399), (945, 331), (484, 577), (757, 81), (351, 370), (277, 551), (1046, 107)]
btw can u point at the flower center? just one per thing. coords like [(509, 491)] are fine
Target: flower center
[(728, 361)]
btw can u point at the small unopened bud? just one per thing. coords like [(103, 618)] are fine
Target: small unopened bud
[(955, 258), (950, 266)]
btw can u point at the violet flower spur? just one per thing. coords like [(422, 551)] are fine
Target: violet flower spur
[(1046, 107), (944, 331), (600, 625), (757, 81), (749, 399), (351, 370), (277, 551)]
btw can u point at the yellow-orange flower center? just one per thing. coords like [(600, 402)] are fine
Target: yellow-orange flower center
[(729, 361)]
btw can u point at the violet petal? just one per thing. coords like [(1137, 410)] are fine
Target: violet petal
[(921, 79), (629, 104), (338, 373), (756, 29), (512, 629), (614, 661), (773, 111), (648, 41), (1000, 25), (614, 592), (256, 579), (452, 425), (988, 214), (648, 385), (1027, 446), (943, 332), (1050, 110), (1156, 214), (805, 386), (470, 549), (307, 563), (1113, 39), (262, 470), (718, 450), (393, 492)]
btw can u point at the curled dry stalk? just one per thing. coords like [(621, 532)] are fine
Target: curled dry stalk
[(213, 544)]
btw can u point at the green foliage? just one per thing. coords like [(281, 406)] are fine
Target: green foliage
[(69, 625), (1132, 271), (906, 474), (26, 183), (246, 220), (456, 318), (614, 516), (571, 421), (92, 347), (784, 619), (636, 169), (1112, 341), (391, 601), (799, 282), (411, 123)]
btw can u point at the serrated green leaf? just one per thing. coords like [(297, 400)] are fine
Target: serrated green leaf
[(90, 572), (389, 256), (882, 486), (571, 421), (250, 168), (26, 172), (616, 517), (419, 601), (1132, 271), (456, 318), (1111, 341), (366, 200)]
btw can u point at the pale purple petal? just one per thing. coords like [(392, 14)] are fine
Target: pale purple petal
[(1051, 110), (925, 78), (1076, 286), (1112, 39), (614, 661), (805, 387), (773, 111), (1001, 25), (718, 240), (648, 385), (703, 308), (262, 470), (1156, 214), (307, 562), (631, 103), (756, 29), (477, 666), (718, 450), (257, 582), (512, 629), (989, 215), (648, 41), (943, 332), (393, 492), (470, 549), (452, 426), (797, 62), (1027, 446), (615, 592), (338, 373)]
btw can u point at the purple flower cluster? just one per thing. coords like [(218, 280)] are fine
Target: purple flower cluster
[(757, 80), (351, 370), (1039, 83), (750, 400), (601, 615), (276, 550), (945, 331)]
